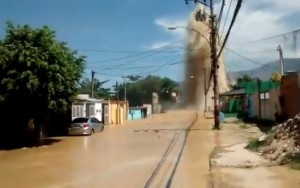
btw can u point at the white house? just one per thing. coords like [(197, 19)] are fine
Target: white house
[(84, 106)]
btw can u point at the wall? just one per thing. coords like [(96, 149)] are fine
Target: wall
[(114, 118), (135, 114), (268, 106), (290, 91)]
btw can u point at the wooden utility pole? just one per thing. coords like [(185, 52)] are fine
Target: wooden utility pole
[(280, 59), (117, 96), (125, 89), (205, 94), (92, 83)]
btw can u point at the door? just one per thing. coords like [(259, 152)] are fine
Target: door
[(105, 114)]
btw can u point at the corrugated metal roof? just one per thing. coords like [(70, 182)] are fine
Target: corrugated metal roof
[(234, 92), (89, 100)]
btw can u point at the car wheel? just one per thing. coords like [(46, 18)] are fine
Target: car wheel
[(92, 132)]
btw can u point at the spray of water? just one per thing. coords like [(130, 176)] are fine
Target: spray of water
[(198, 66)]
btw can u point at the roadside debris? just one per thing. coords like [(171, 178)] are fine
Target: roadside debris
[(281, 144)]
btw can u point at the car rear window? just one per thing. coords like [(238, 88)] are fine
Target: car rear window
[(80, 120)]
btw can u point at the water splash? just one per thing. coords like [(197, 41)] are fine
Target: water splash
[(198, 64)]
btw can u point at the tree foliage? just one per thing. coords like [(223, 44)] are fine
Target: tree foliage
[(275, 77), (99, 92), (38, 71), (139, 90), (243, 78)]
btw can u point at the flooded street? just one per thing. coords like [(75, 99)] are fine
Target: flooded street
[(150, 153), (167, 150)]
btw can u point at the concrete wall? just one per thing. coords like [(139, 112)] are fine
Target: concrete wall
[(268, 106), (290, 92), (118, 116), (135, 114)]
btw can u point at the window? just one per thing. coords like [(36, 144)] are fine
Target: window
[(95, 120), (265, 96), (80, 120)]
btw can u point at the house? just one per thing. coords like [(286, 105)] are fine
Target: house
[(233, 102), (290, 94), (115, 112), (84, 106), (256, 99)]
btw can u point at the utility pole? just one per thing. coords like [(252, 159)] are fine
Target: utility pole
[(280, 59), (117, 96), (92, 84), (205, 94), (125, 89), (214, 59), (215, 67)]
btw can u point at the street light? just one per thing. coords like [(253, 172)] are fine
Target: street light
[(187, 28)]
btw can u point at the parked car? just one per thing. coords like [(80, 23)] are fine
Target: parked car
[(85, 126)]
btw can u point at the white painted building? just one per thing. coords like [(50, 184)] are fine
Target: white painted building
[(84, 106)]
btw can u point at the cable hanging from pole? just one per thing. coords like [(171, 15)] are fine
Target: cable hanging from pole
[(236, 11)]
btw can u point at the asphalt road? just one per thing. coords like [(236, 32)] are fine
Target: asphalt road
[(168, 150)]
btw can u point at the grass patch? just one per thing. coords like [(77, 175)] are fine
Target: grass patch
[(293, 160), (254, 144)]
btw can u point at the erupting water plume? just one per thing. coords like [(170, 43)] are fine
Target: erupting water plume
[(198, 64)]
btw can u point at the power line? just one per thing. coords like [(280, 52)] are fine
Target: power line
[(169, 63), (226, 18), (248, 59), (166, 65), (272, 37), (121, 51), (134, 60), (130, 56), (154, 60), (221, 13), (236, 11)]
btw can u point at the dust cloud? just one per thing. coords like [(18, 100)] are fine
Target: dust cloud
[(198, 66)]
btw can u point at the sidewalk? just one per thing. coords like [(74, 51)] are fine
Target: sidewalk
[(234, 166)]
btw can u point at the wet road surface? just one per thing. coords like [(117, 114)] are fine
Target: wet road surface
[(163, 151), (170, 150)]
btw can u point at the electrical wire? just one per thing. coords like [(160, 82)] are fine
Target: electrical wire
[(154, 60), (221, 13), (226, 18), (121, 51), (130, 56), (272, 37), (134, 60), (264, 65), (236, 11)]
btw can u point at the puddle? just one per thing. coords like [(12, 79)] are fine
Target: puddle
[(238, 156)]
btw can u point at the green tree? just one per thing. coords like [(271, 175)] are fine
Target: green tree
[(139, 90), (99, 92), (241, 79), (38, 73)]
